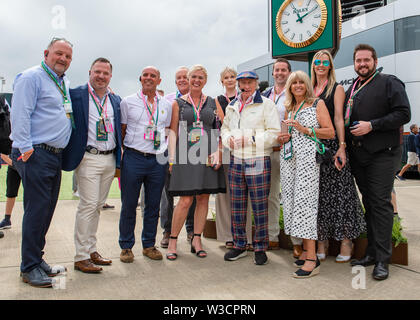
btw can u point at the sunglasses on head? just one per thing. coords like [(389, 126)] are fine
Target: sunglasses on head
[(325, 63)]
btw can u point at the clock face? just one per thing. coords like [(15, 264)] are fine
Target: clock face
[(300, 23)]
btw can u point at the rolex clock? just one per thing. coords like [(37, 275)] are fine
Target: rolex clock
[(300, 23), (300, 27)]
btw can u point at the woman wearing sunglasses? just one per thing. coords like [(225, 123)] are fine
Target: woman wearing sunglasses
[(340, 214)]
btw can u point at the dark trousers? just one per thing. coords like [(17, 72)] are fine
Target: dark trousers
[(41, 178), (137, 169), (375, 175), (167, 210)]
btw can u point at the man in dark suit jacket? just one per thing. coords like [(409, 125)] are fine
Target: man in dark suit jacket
[(94, 151), (376, 107)]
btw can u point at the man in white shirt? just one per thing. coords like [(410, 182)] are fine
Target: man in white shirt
[(145, 116), (94, 153), (281, 72)]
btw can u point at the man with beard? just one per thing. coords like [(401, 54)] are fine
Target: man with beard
[(281, 72), (41, 118), (94, 153), (376, 107)]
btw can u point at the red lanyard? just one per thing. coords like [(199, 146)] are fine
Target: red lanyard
[(244, 103), (227, 98), (149, 110), (197, 110), (274, 95), (101, 107), (318, 93)]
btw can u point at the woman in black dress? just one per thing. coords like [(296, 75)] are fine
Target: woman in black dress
[(194, 158), (340, 214)]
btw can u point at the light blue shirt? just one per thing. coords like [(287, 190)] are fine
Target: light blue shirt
[(37, 113)]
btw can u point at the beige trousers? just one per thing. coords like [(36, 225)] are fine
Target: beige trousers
[(94, 176), (224, 214), (274, 198)]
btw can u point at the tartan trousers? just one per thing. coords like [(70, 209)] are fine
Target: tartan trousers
[(251, 175)]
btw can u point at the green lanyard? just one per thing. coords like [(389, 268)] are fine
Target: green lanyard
[(320, 147), (62, 88), (290, 128)]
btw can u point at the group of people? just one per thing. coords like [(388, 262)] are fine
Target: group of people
[(305, 138)]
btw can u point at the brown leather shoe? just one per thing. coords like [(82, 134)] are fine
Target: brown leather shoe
[(96, 258), (297, 251), (126, 256), (165, 240), (152, 253), (86, 266), (273, 245)]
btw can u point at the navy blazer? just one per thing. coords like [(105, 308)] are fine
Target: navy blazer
[(73, 153)]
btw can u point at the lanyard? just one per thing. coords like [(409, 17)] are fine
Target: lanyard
[(227, 98), (290, 128), (354, 86), (151, 111), (318, 93), (244, 103), (197, 110), (62, 88), (349, 106), (101, 107), (274, 95)]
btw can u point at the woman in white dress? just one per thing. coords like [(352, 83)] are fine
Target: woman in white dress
[(308, 120)]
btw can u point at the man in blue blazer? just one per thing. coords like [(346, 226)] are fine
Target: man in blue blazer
[(94, 151)]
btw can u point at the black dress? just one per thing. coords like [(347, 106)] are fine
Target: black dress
[(340, 214), (190, 174)]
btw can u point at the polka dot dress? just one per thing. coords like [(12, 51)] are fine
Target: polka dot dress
[(300, 181)]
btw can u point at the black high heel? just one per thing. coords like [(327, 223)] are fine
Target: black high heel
[(302, 274), (201, 253), (298, 263), (172, 256)]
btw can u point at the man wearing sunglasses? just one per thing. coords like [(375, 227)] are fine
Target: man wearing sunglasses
[(41, 118), (376, 107)]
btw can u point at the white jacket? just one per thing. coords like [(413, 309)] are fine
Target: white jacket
[(258, 121)]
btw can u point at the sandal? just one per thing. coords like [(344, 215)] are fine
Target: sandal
[(300, 262), (302, 274), (323, 256), (172, 255), (344, 259), (201, 253)]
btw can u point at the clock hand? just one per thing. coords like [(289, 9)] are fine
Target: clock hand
[(300, 18)]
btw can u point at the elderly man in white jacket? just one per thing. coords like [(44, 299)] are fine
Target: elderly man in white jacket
[(250, 130)]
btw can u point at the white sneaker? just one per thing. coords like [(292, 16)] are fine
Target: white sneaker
[(76, 194), (321, 256), (342, 259)]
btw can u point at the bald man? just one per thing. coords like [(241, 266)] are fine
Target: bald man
[(145, 115)]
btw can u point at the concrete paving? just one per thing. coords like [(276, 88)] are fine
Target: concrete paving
[(211, 278)]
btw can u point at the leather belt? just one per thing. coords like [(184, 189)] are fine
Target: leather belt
[(276, 149), (49, 148), (94, 150), (144, 154)]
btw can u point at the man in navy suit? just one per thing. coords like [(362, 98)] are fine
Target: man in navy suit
[(94, 151)]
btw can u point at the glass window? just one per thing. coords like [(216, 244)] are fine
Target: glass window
[(374, 37), (262, 73), (407, 34)]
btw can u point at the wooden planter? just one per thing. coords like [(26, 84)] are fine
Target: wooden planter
[(210, 229), (284, 241)]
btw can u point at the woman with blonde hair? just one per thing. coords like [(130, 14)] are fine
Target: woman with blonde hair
[(223, 208), (340, 214), (308, 120), (194, 171)]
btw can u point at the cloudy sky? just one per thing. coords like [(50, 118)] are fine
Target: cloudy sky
[(134, 34)]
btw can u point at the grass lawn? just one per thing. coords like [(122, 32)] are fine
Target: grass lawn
[(66, 192)]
